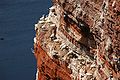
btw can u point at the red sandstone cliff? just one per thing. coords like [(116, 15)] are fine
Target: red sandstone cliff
[(79, 40)]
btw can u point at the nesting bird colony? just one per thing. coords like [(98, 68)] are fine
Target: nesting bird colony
[(79, 40)]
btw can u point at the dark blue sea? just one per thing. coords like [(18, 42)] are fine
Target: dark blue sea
[(17, 19)]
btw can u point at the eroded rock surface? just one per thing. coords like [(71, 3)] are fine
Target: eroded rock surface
[(79, 40)]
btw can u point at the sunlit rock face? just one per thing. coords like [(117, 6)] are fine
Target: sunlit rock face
[(79, 40)]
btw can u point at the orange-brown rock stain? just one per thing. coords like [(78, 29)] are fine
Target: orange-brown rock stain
[(50, 69)]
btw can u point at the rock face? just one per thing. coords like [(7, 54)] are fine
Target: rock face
[(79, 40)]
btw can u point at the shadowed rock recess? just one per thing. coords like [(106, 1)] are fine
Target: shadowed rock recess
[(79, 40)]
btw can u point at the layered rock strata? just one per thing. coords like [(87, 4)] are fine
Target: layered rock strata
[(79, 40)]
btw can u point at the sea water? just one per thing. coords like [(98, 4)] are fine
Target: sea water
[(17, 19)]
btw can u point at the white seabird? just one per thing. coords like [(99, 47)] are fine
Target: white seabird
[(35, 41), (52, 25), (51, 8), (41, 22), (36, 25), (43, 17)]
